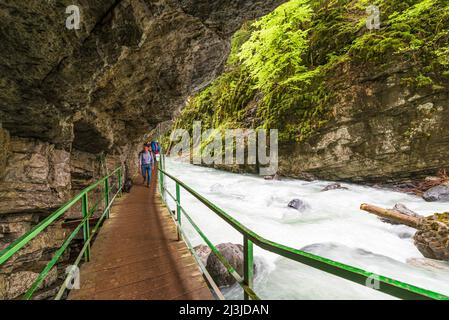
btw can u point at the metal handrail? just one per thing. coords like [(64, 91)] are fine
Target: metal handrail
[(386, 285), (21, 242)]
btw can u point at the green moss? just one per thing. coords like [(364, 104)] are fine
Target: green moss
[(443, 217), (423, 81)]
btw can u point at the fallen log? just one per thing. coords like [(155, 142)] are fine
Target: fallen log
[(393, 215)]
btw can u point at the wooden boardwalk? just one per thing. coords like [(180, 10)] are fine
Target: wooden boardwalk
[(136, 255)]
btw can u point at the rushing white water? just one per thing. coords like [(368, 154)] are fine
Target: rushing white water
[(333, 227)]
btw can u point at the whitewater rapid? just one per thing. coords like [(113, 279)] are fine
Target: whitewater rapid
[(333, 226)]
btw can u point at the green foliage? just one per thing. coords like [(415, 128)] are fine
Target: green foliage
[(284, 69), (274, 50)]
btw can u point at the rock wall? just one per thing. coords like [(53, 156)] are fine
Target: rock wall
[(132, 63), (382, 131)]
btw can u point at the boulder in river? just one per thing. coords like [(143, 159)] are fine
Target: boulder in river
[(402, 209), (334, 186), (432, 237), (273, 177), (298, 204), (233, 253), (437, 193), (427, 263), (203, 252)]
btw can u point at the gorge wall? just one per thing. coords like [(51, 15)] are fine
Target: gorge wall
[(382, 131), (75, 104), (350, 103)]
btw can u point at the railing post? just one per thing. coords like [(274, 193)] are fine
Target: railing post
[(86, 226), (106, 196), (120, 181), (178, 209), (248, 264)]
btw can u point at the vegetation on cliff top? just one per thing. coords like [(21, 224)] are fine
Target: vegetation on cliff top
[(282, 69)]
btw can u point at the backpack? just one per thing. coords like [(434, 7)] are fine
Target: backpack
[(127, 186), (155, 147)]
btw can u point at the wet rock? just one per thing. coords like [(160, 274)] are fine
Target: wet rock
[(233, 253), (429, 264), (405, 235), (298, 204), (402, 209), (203, 252), (273, 177), (432, 237), (334, 186), (438, 193), (4, 149)]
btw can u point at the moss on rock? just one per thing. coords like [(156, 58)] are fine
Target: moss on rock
[(284, 69)]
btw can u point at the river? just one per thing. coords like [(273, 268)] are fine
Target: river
[(333, 226)]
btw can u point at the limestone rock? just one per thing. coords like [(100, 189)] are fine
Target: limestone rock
[(36, 177), (298, 204), (432, 238), (4, 149), (233, 253), (129, 67), (402, 209), (75, 104), (334, 186), (203, 252)]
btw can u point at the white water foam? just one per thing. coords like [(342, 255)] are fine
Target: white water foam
[(333, 227)]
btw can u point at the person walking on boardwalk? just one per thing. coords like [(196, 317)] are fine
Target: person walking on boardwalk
[(146, 164)]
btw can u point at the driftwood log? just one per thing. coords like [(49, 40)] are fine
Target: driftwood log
[(432, 236)]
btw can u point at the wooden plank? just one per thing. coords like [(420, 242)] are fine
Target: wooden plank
[(137, 256)]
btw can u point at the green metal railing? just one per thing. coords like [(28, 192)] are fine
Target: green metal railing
[(386, 285), (84, 225)]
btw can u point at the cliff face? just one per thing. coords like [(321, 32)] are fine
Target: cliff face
[(74, 104), (350, 103), (127, 68)]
